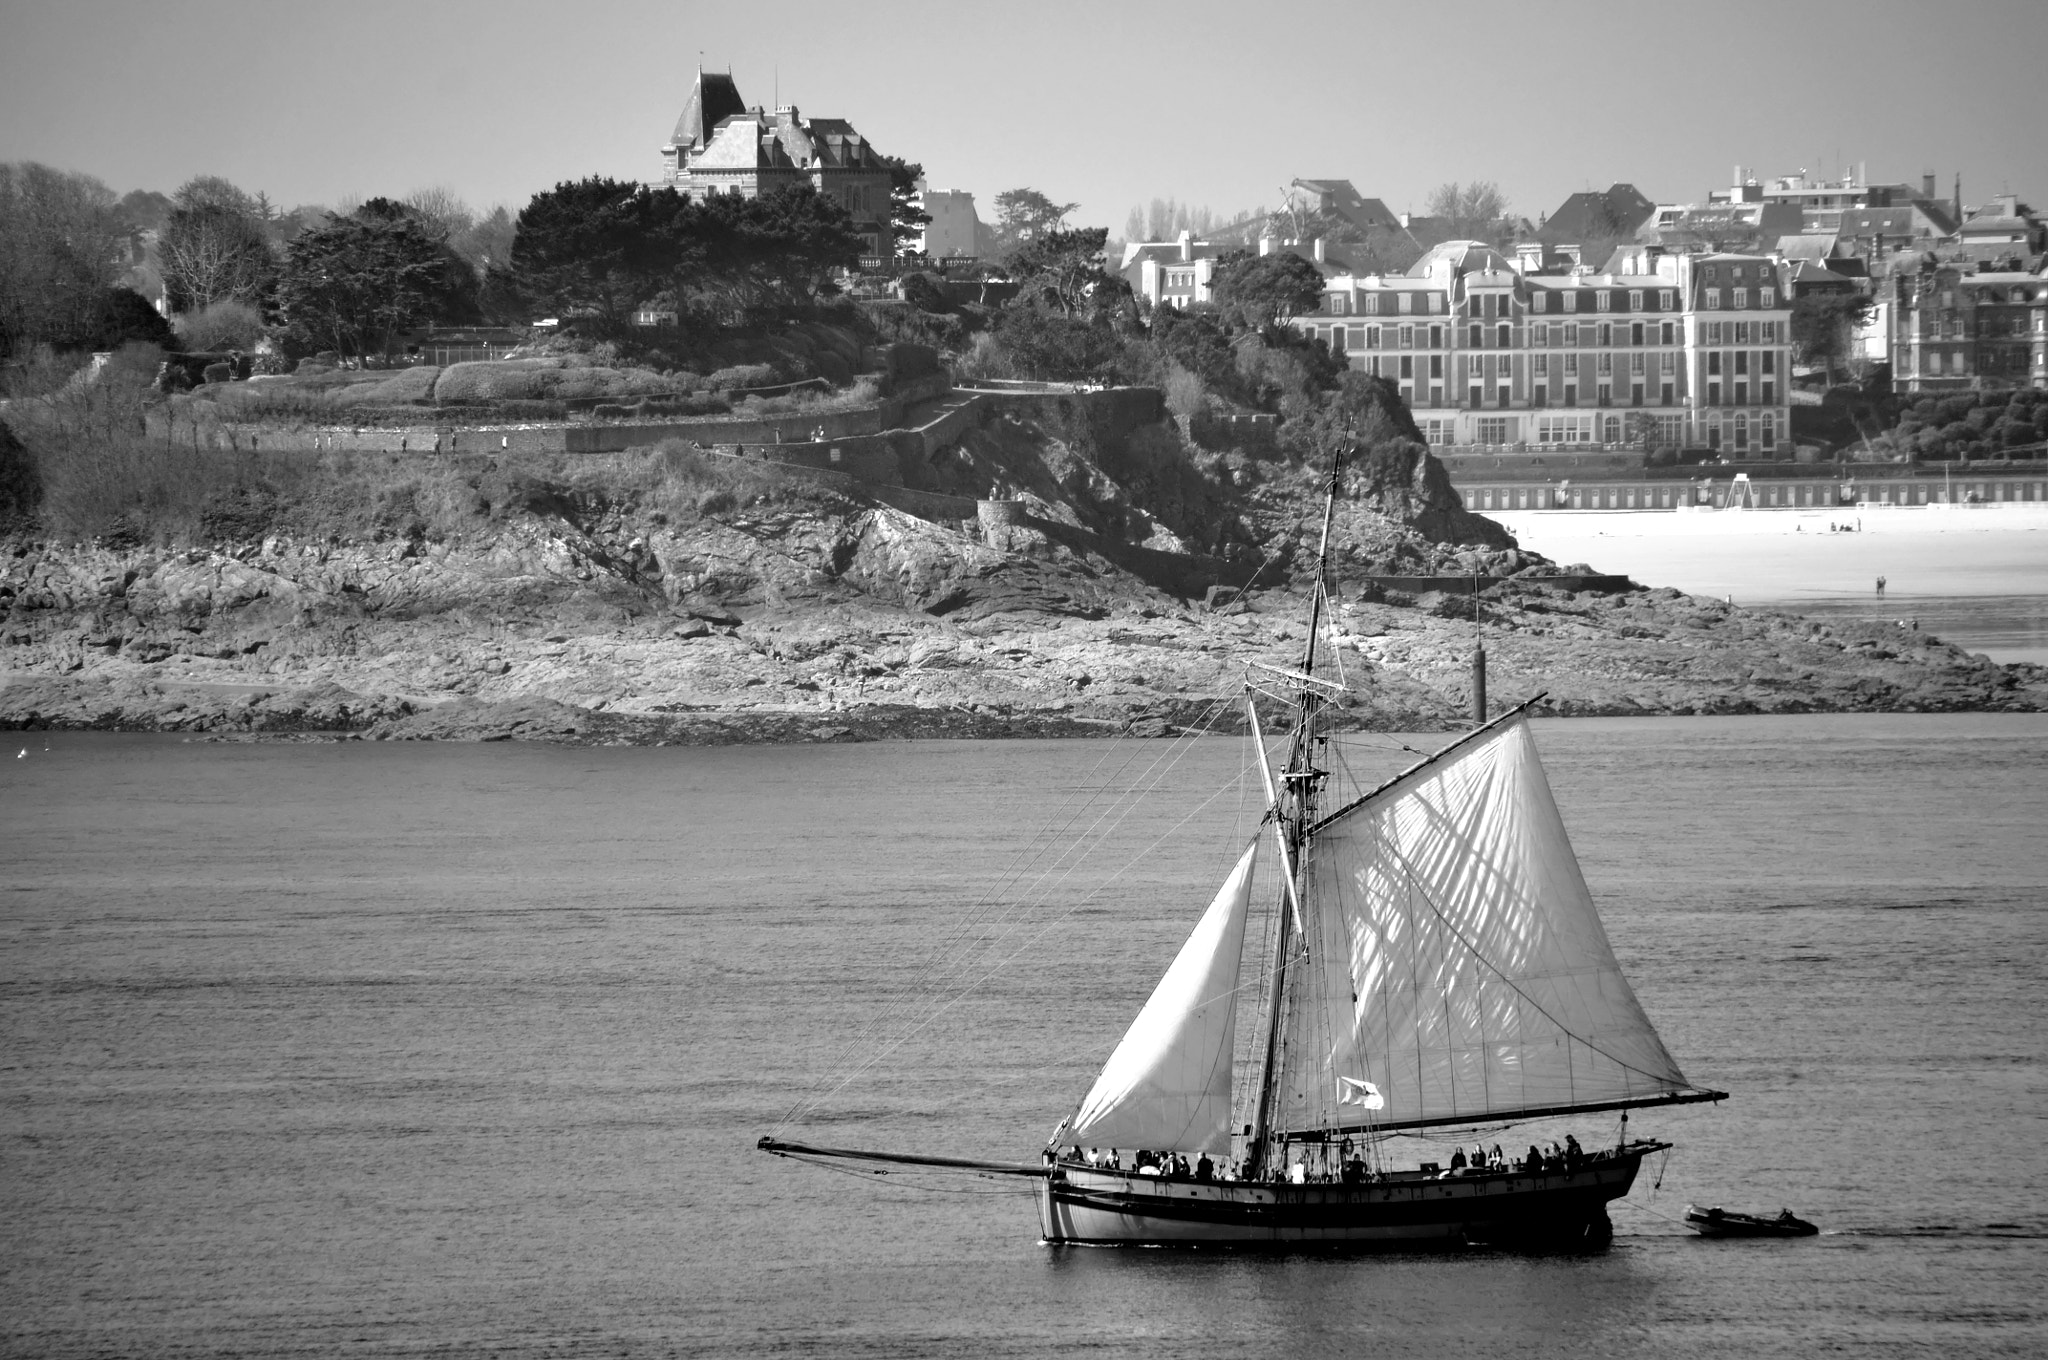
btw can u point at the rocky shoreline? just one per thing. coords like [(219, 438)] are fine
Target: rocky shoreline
[(532, 636), (673, 597)]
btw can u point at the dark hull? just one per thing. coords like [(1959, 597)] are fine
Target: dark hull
[(1721, 1223), (1086, 1206)]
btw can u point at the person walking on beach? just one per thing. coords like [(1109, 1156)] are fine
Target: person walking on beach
[(1880, 587)]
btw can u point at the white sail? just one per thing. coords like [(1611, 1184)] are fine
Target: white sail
[(1455, 960), (1167, 1086)]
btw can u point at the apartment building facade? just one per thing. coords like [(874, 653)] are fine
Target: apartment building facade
[(1953, 329), (1671, 350)]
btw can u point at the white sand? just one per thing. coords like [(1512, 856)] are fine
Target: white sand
[(1977, 575)]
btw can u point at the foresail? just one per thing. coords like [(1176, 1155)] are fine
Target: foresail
[(1456, 963), (1167, 1086)]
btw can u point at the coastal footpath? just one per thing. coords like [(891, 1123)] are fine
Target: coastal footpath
[(1121, 584)]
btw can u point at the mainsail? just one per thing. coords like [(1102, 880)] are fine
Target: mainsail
[(1455, 961), (1167, 1086)]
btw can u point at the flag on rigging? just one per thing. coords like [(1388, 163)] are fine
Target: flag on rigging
[(1356, 1092)]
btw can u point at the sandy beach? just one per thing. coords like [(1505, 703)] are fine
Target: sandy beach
[(1976, 575)]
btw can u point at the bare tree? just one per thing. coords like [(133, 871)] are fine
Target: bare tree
[(487, 242), (442, 207), (215, 246), (1472, 211)]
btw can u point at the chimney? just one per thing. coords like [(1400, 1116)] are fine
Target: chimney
[(1406, 220), (1318, 245), (1187, 245), (1927, 185)]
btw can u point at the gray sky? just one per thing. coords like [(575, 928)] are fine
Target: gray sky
[(1109, 104)]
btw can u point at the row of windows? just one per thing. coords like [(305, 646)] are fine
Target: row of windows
[(1490, 305), (1554, 335), (1602, 299), (1586, 334), (1738, 299), (1739, 332), (1738, 392), (1739, 363), (1539, 364)]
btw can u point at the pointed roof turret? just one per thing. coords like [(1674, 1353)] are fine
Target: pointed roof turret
[(713, 98)]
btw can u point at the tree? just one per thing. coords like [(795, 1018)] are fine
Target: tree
[(597, 247), (215, 246), (486, 243), (777, 250), (1066, 265), (452, 298), (1024, 213), (126, 317), (1824, 327), (60, 241), (359, 279), (442, 207), (1257, 290), (907, 217), (1053, 347), (144, 209), (1471, 212)]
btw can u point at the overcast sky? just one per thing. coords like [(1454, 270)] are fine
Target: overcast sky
[(1108, 104)]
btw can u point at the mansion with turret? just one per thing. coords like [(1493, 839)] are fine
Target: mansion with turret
[(721, 146)]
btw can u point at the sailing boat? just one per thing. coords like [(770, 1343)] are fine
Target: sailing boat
[(1439, 964)]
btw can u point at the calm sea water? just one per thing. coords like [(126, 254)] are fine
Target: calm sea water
[(367, 1049)]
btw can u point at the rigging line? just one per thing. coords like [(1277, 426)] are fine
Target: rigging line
[(998, 930), (1087, 1055), (984, 922), (1514, 986), (962, 993)]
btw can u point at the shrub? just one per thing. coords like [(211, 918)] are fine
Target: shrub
[(985, 358), (21, 482), (551, 379), (906, 361), (923, 292), (224, 325), (1185, 393), (742, 376)]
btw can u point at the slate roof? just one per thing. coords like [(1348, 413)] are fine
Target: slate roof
[(1339, 197), (1812, 274), (1803, 247), (713, 99), (1620, 210)]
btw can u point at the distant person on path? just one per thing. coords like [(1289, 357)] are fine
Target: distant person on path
[(1880, 587)]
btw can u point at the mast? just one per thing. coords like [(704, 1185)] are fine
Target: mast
[(1294, 811)]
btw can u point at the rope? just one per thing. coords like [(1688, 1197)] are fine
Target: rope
[(997, 918)]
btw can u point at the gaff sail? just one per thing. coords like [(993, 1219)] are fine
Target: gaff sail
[(1455, 960), (1167, 1086)]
